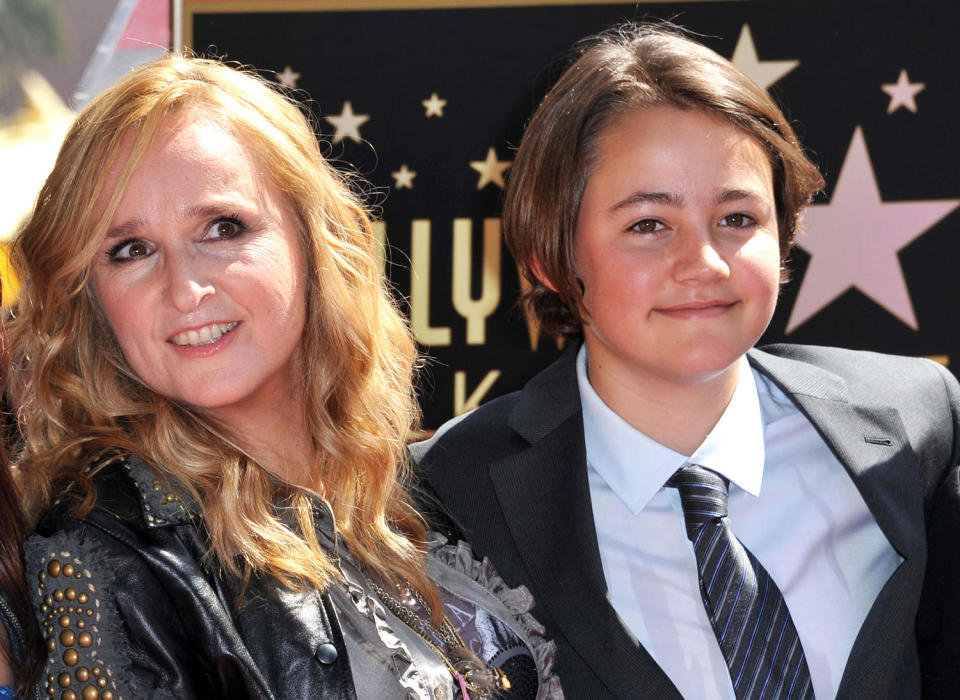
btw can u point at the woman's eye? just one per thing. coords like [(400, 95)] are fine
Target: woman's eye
[(129, 250), (647, 226), (224, 228), (738, 220)]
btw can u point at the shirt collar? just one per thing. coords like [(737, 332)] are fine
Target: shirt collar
[(636, 467)]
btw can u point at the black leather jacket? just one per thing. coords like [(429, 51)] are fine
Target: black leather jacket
[(176, 631), (131, 605)]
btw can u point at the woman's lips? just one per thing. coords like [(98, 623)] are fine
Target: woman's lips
[(205, 335)]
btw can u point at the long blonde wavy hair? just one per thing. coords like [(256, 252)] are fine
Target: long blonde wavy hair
[(81, 405)]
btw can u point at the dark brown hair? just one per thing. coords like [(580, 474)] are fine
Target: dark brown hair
[(630, 67), (12, 571)]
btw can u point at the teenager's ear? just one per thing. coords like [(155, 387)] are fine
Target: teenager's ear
[(544, 280)]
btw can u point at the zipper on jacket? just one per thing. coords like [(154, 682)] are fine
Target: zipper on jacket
[(11, 618)]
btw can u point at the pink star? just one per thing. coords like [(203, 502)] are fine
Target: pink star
[(288, 78), (902, 92), (854, 240)]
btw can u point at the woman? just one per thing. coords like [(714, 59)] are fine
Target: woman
[(217, 396), (652, 206)]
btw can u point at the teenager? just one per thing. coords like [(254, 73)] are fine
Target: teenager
[(695, 516)]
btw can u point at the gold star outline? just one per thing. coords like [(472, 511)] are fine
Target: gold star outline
[(404, 177), (347, 124), (288, 78), (434, 106), (491, 170)]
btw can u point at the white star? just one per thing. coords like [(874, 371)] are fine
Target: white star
[(902, 92), (491, 169), (404, 177), (434, 105), (288, 78), (853, 241), (348, 124), (763, 73)]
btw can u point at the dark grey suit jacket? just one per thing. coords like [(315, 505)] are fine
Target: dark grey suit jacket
[(513, 474)]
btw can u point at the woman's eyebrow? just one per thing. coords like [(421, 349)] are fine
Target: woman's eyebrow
[(134, 226), (131, 227)]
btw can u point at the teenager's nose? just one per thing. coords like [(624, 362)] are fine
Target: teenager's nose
[(187, 285), (697, 259)]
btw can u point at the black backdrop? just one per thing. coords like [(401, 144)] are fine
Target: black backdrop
[(879, 263)]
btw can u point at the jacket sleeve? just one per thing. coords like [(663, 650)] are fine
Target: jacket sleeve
[(938, 620), (110, 627)]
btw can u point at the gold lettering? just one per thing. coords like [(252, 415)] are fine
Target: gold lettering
[(380, 249), (476, 310), (462, 403), (420, 287)]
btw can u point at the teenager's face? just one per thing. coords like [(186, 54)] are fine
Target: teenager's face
[(677, 249)]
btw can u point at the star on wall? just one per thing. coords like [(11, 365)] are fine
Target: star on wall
[(490, 169), (763, 73), (348, 124), (288, 78), (902, 92), (404, 177), (434, 105), (853, 241)]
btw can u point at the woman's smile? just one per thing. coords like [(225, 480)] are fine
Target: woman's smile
[(205, 335)]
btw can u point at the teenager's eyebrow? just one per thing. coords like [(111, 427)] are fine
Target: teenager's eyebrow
[(641, 197), (736, 195)]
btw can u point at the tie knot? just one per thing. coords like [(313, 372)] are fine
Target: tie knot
[(703, 495)]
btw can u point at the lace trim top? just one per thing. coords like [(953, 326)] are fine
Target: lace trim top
[(493, 619)]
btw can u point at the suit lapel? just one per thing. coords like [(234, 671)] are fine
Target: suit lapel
[(871, 443), (545, 496)]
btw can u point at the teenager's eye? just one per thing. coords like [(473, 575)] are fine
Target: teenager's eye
[(224, 228), (647, 226), (129, 249), (738, 220)]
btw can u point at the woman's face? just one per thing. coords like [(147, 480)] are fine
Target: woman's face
[(201, 275), (677, 248)]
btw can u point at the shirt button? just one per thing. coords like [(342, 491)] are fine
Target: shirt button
[(440, 693), (327, 653)]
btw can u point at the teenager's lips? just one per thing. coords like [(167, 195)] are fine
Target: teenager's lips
[(694, 310)]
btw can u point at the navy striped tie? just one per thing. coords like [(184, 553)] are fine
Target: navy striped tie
[(745, 607)]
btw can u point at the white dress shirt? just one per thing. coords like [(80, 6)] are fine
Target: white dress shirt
[(791, 503)]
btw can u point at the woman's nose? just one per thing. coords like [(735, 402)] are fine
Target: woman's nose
[(187, 283)]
